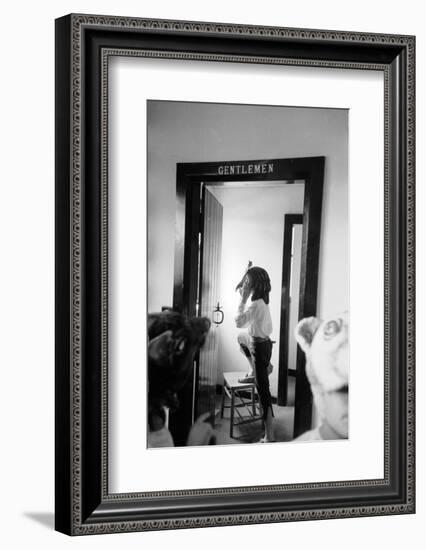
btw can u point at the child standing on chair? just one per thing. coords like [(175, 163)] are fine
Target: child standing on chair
[(257, 317)]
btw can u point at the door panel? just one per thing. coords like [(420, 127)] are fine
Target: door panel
[(296, 254), (286, 360), (209, 297)]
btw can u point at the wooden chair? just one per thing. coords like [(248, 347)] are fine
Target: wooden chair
[(243, 409)]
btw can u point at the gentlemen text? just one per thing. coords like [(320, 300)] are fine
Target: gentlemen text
[(242, 169)]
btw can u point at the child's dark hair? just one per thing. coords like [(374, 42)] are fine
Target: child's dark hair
[(260, 283)]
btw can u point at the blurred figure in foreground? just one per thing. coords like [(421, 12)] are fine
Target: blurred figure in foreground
[(325, 344), (173, 340)]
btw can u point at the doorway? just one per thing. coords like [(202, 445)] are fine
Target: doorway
[(199, 224), (291, 270)]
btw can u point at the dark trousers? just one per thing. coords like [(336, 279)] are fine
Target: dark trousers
[(261, 353)]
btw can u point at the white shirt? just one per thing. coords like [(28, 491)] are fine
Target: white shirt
[(256, 317)]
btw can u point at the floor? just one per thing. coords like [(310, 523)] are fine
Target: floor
[(252, 432)]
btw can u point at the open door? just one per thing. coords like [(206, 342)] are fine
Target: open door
[(209, 301)]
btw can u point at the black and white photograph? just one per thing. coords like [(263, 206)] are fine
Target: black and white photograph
[(235, 274), (247, 274), (212, 235)]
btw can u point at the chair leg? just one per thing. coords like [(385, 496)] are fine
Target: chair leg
[(253, 402), (231, 428), (222, 408)]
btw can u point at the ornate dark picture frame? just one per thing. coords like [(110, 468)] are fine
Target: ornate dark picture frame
[(84, 44)]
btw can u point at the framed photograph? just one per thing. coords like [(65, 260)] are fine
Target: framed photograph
[(234, 274)]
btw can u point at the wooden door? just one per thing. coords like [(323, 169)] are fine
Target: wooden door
[(209, 298)]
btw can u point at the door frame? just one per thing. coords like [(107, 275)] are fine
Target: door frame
[(189, 180), (283, 371)]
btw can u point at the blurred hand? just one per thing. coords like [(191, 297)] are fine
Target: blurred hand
[(245, 290), (201, 432), (240, 284)]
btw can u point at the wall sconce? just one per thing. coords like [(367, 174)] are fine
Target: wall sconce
[(218, 315)]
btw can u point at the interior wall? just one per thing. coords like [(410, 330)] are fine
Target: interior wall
[(253, 229), (199, 132)]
